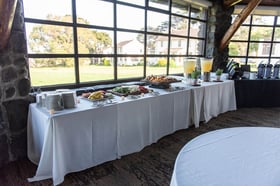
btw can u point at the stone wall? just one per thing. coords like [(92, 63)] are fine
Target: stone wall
[(14, 91), (220, 19)]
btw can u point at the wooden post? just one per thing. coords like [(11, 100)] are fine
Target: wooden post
[(237, 22), (7, 12)]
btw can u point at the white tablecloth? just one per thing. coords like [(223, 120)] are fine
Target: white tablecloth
[(241, 156), (75, 139)]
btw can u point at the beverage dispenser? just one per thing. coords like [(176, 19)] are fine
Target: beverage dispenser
[(261, 70), (276, 70), (267, 72)]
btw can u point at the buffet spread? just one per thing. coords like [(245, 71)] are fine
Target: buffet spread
[(105, 124)]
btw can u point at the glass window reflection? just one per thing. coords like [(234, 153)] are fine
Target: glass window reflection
[(52, 10), (130, 43), (157, 22), (160, 4), (180, 7), (91, 11), (136, 14)]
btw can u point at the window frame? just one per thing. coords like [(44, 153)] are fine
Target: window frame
[(76, 56), (247, 58)]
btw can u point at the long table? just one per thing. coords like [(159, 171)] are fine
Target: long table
[(75, 139)]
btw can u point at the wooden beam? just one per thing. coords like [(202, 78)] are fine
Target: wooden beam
[(7, 12), (229, 3), (237, 22)]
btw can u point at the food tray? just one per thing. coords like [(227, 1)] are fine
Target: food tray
[(122, 94), (160, 86), (161, 82), (127, 91)]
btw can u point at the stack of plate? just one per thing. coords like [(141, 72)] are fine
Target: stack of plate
[(54, 102), (69, 99)]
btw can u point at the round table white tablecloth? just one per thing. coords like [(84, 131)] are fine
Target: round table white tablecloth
[(241, 156)]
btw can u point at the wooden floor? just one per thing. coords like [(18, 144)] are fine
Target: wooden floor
[(153, 165)]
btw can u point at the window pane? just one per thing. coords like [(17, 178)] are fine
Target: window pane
[(176, 65), (263, 20), (130, 43), (161, 45), (137, 2), (178, 46), (94, 41), (151, 44), (179, 25), (274, 61), (130, 67), (48, 10), (198, 29), (96, 69), (95, 12), (47, 71), (261, 33), (238, 48), (239, 60), (254, 63), (49, 39), (157, 22), (277, 34), (247, 20), (276, 50), (198, 12), (156, 65), (259, 49), (241, 34), (180, 7), (161, 4), (196, 47), (278, 20), (124, 12)]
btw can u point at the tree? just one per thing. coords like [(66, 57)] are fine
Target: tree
[(54, 39)]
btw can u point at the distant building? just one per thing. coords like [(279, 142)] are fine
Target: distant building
[(130, 47)]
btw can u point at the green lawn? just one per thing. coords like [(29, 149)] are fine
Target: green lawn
[(64, 75)]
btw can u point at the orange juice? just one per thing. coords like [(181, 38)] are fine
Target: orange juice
[(206, 64), (189, 65)]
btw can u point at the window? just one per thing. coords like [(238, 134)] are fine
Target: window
[(87, 42), (257, 40)]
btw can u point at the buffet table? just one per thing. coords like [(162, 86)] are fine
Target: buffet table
[(76, 139), (233, 156)]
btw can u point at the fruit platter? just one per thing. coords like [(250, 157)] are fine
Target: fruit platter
[(160, 81), (129, 90), (97, 95)]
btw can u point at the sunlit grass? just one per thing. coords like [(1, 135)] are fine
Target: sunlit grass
[(65, 75)]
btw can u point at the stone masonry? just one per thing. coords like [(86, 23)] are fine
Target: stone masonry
[(14, 92)]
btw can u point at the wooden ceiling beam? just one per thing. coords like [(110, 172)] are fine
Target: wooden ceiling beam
[(7, 12), (229, 3), (237, 22)]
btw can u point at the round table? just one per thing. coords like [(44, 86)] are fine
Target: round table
[(241, 156)]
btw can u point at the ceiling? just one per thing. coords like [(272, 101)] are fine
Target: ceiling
[(263, 2)]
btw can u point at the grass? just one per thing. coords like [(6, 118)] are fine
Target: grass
[(64, 75)]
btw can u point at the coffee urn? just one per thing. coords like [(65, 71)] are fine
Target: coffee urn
[(276, 70), (267, 72), (261, 70)]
